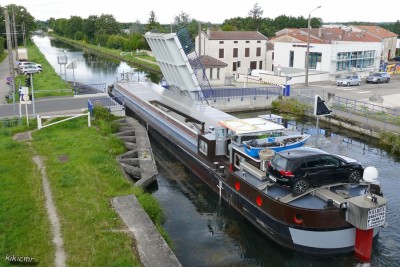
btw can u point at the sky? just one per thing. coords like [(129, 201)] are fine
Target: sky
[(214, 11)]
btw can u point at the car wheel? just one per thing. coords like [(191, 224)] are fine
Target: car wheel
[(359, 83), (388, 80), (348, 84), (355, 177), (378, 81), (300, 187)]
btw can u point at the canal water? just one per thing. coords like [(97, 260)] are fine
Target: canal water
[(205, 231)]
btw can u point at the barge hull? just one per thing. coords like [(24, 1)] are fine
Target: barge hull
[(290, 236)]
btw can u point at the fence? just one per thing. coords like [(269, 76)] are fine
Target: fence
[(81, 89), (111, 103), (242, 92), (353, 109), (10, 122)]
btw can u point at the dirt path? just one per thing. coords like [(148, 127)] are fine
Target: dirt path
[(52, 213)]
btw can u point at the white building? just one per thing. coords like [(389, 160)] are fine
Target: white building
[(240, 50), (333, 53)]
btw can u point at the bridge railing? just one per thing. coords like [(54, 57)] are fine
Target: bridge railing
[(241, 92), (94, 88)]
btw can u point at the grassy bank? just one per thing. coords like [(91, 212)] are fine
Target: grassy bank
[(139, 59), (25, 229), (48, 82), (84, 175)]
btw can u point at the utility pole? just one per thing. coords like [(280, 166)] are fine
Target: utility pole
[(15, 36), (10, 56), (23, 33)]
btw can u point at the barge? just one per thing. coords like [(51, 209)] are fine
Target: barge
[(329, 219)]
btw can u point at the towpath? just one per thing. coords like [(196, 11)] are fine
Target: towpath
[(60, 255)]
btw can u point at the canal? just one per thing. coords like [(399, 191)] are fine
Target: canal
[(205, 231)]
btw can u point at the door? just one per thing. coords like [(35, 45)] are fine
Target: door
[(220, 141)]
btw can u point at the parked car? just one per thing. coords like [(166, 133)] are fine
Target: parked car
[(378, 77), (349, 80), (30, 69), (24, 63), (395, 58), (303, 167)]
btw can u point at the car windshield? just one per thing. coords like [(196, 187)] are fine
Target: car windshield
[(348, 77)]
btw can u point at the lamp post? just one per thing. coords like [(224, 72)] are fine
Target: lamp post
[(308, 44)]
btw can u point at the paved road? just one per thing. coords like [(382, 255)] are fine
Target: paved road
[(390, 92)]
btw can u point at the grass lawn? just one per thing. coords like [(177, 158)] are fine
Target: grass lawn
[(84, 175), (24, 227)]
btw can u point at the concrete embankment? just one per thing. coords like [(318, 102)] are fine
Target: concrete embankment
[(138, 162), (140, 167)]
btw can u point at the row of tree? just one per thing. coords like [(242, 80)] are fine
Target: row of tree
[(106, 31), (24, 22)]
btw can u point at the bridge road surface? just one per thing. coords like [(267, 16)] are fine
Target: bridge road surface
[(47, 106)]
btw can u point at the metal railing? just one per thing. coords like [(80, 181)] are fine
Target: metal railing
[(361, 111), (95, 88), (242, 92), (194, 60), (107, 102)]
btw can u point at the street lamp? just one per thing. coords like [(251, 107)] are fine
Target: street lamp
[(308, 43)]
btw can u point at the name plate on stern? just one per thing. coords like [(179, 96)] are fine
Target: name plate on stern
[(365, 212)]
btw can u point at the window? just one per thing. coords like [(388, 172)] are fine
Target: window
[(238, 64), (234, 66), (211, 73), (237, 160), (221, 53), (235, 52), (203, 147), (218, 69), (235, 42), (253, 65), (247, 42), (221, 42), (291, 58), (314, 58), (273, 55), (355, 59), (247, 52), (260, 65), (258, 42), (258, 52)]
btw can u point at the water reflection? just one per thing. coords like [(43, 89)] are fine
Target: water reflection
[(90, 68)]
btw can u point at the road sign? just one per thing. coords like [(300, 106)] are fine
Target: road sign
[(72, 65), (26, 97), (9, 79)]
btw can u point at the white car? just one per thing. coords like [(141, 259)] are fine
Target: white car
[(29, 69), (21, 64), (349, 80)]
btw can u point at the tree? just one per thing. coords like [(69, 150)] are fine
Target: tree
[(152, 23), (89, 27), (74, 25), (182, 19), (106, 24), (256, 13), (23, 21)]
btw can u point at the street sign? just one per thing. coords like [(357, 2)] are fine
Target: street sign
[(9, 79), (72, 65)]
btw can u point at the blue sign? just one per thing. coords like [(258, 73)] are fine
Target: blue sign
[(9, 79)]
